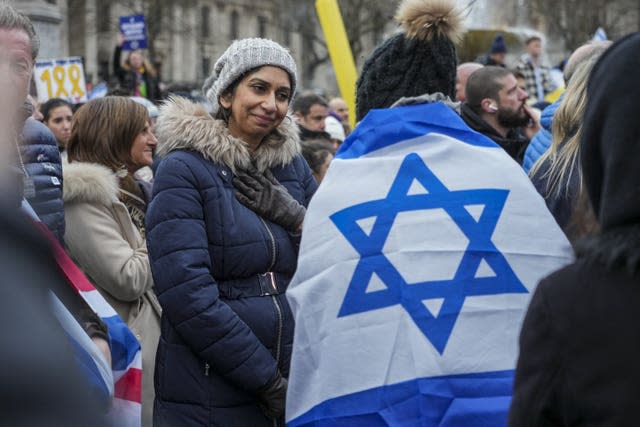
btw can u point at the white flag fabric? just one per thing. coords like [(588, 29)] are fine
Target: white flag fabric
[(420, 252), (599, 35)]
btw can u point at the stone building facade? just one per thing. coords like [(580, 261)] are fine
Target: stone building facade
[(185, 37)]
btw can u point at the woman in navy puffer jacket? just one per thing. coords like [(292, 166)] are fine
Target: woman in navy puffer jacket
[(223, 233)]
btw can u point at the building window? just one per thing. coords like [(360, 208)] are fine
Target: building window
[(286, 36), (103, 71), (204, 28), (262, 26), (103, 15), (233, 34), (378, 28), (206, 66)]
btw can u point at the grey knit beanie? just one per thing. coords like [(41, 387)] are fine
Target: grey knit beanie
[(242, 56)]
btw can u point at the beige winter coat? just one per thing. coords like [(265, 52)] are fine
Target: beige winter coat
[(103, 241)]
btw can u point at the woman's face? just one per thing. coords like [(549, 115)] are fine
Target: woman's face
[(142, 150), (322, 170), (60, 124), (258, 104), (135, 60)]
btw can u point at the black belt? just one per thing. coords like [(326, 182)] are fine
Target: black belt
[(260, 285)]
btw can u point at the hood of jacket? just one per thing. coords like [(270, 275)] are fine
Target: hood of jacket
[(546, 116), (184, 125), (615, 248), (610, 143), (89, 183)]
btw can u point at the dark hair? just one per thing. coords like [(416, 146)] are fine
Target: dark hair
[(518, 74), (11, 19), (52, 104), (305, 101), (532, 39), (483, 83), (224, 113), (315, 152), (103, 131)]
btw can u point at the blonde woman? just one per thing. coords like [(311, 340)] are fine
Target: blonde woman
[(104, 212), (556, 174)]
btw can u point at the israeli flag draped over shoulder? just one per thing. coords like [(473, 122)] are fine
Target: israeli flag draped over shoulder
[(420, 253)]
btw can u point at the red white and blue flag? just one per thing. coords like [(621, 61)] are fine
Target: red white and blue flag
[(126, 354)]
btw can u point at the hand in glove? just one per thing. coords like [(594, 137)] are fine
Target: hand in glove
[(263, 194), (272, 398)]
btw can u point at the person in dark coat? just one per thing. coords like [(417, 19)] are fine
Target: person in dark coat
[(223, 231), (40, 159), (580, 341), (42, 382), (497, 53), (136, 76)]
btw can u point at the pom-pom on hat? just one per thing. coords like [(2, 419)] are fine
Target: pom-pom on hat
[(420, 60), (242, 56), (498, 45)]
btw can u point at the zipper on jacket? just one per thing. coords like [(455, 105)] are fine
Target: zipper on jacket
[(206, 369), (274, 297), (280, 326), (273, 244)]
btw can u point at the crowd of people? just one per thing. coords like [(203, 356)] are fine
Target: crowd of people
[(188, 221)]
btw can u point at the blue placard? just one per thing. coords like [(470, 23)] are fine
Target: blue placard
[(135, 32)]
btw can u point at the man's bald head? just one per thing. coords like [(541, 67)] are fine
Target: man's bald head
[(463, 72), (339, 106)]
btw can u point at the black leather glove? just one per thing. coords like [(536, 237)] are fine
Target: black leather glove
[(272, 398), (263, 194)]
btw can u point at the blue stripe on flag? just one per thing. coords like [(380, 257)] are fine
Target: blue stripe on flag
[(124, 345), (450, 401), (96, 383), (382, 128)]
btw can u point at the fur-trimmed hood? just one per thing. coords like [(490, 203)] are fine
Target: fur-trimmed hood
[(184, 125), (89, 183)]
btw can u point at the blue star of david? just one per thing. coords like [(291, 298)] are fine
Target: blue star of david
[(410, 296)]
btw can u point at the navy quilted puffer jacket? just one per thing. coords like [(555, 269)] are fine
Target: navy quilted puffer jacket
[(220, 271), (41, 157)]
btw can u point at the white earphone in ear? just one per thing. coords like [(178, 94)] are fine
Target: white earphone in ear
[(493, 107)]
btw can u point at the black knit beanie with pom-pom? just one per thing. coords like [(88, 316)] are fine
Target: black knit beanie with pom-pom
[(420, 60)]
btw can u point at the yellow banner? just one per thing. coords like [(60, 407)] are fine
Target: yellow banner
[(340, 52)]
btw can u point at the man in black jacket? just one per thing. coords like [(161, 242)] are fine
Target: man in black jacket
[(496, 107)]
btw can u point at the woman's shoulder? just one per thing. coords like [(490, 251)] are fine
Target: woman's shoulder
[(89, 183)]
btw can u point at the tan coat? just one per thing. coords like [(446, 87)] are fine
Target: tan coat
[(103, 241)]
